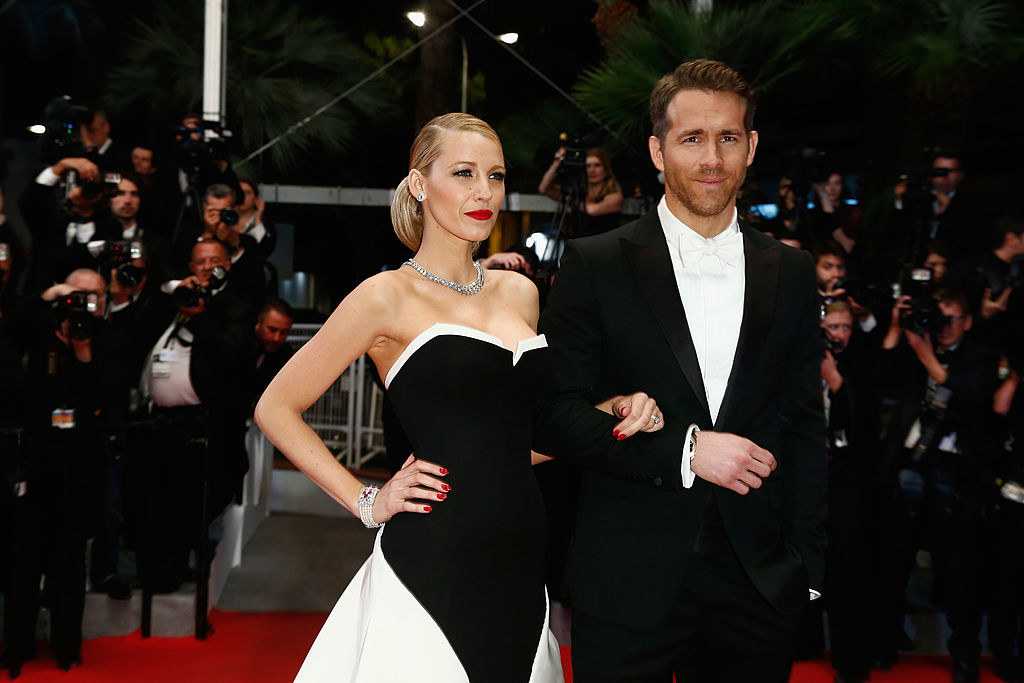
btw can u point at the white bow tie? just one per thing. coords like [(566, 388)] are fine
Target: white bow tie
[(728, 248)]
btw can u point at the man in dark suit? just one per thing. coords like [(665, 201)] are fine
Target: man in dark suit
[(695, 546)]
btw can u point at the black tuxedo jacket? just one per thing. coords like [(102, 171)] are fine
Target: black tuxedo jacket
[(617, 325)]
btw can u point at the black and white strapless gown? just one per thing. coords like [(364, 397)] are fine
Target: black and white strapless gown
[(456, 594)]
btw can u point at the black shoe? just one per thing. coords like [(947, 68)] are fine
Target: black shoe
[(965, 670)]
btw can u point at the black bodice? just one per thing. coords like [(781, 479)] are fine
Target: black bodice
[(476, 562)]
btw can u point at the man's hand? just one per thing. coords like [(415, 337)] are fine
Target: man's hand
[(191, 282), (991, 308), (509, 260), (87, 171), (56, 291), (731, 461), (830, 372)]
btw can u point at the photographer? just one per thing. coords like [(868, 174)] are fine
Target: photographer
[(255, 230), (273, 324), (126, 209), (992, 282), (220, 221), (591, 185), (196, 356), (62, 231), (855, 492), (834, 284), (64, 340), (939, 442)]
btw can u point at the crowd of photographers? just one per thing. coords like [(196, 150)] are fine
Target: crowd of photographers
[(149, 353), (923, 335), (128, 384)]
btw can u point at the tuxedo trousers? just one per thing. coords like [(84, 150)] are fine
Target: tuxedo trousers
[(720, 628)]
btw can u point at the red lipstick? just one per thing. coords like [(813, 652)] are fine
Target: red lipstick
[(480, 214)]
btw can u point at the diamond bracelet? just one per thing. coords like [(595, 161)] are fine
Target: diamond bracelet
[(366, 498)]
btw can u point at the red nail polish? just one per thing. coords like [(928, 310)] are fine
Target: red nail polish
[(444, 471), (446, 487), (615, 433), (620, 437), (442, 496), (427, 508)]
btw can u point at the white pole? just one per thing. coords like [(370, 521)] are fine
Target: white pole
[(214, 60)]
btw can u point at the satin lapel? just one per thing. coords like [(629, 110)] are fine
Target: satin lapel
[(652, 266), (762, 281)]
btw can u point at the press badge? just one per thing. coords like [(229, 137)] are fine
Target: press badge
[(161, 370), (169, 356)]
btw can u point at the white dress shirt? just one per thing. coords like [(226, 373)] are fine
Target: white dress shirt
[(710, 276), (165, 378)]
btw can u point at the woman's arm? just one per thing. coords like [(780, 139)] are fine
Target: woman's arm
[(354, 328), (547, 182), (612, 203)]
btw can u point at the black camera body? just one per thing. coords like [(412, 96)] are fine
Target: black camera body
[(190, 297), (78, 308), (997, 282), (106, 186), (119, 254), (831, 345), (924, 316), (229, 217), (199, 147), (934, 421)]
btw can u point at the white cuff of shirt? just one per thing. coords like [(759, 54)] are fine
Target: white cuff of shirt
[(684, 468), (814, 594), (48, 177), (869, 324), (169, 286)]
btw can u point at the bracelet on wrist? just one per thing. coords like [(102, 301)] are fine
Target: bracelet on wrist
[(366, 497)]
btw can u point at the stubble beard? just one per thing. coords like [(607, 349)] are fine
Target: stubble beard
[(707, 206)]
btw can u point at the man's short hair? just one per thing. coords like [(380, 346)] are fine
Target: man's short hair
[(937, 247), (953, 296), (838, 306), (219, 191), (699, 74), (827, 248), (209, 240), (279, 305)]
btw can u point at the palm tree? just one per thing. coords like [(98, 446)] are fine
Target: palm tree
[(281, 66)]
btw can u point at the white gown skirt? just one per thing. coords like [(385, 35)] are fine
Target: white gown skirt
[(379, 632)]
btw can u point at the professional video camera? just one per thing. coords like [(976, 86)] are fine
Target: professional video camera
[(190, 297), (933, 422), (572, 172), (924, 316), (62, 119), (78, 308), (200, 146)]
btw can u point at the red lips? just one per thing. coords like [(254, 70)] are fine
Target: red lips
[(480, 214)]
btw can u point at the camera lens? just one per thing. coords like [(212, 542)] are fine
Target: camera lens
[(229, 216)]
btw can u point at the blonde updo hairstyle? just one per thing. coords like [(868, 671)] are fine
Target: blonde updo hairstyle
[(406, 212)]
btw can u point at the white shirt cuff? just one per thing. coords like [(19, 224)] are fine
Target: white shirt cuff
[(169, 286), (684, 468), (869, 324), (814, 594), (48, 177)]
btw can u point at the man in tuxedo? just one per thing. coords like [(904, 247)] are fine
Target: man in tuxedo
[(696, 545)]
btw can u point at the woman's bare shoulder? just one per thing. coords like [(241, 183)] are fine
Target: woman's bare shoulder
[(517, 291)]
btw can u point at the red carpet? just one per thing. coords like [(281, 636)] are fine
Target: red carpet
[(270, 647)]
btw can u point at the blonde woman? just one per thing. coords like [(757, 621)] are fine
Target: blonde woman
[(453, 590)]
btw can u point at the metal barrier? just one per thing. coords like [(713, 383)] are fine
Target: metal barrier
[(347, 417)]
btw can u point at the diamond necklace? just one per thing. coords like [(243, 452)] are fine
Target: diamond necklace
[(468, 290)]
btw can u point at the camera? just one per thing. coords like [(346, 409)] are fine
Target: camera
[(933, 421), (104, 187), (5, 251), (229, 217), (997, 282), (831, 345), (190, 297), (200, 146), (924, 316), (572, 172), (119, 254), (79, 309)]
